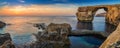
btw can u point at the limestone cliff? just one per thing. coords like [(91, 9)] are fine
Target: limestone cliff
[(86, 14), (112, 39)]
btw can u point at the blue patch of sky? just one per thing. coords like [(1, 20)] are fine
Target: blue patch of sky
[(78, 2)]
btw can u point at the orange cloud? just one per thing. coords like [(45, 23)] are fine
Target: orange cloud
[(39, 10)]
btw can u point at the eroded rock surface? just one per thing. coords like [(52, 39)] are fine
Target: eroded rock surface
[(55, 36), (86, 14), (61, 28), (112, 40), (2, 24), (7, 44), (6, 41)]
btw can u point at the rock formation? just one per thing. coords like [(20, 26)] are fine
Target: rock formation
[(55, 36), (7, 44), (86, 14), (59, 28), (113, 39), (6, 41), (97, 34), (2, 24)]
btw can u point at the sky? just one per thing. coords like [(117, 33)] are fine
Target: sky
[(47, 7)]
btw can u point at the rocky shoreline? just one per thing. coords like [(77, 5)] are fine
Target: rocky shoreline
[(6, 41), (52, 36)]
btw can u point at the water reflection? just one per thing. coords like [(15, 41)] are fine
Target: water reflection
[(92, 26), (110, 28), (84, 25)]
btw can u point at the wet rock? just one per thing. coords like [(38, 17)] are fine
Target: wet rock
[(6, 41), (4, 37), (7, 44), (100, 35), (2, 24)]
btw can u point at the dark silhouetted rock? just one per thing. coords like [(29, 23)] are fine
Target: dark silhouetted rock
[(4, 37), (6, 41), (2, 24), (7, 44), (101, 35), (40, 26)]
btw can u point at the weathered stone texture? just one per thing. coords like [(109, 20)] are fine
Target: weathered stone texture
[(112, 39), (86, 14), (6, 41)]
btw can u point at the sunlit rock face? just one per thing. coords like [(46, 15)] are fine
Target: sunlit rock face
[(55, 36), (86, 14), (59, 28), (113, 15), (113, 40)]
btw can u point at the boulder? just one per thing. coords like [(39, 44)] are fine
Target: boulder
[(7, 44), (4, 37), (2, 24), (40, 26), (6, 41)]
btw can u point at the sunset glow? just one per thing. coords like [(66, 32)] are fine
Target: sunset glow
[(38, 10), (17, 10), (46, 7)]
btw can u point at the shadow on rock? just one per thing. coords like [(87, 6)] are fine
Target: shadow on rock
[(6, 41)]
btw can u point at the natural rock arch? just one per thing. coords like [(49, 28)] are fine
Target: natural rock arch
[(97, 8), (86, 14)]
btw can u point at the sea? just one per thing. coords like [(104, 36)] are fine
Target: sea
[(21, 29)]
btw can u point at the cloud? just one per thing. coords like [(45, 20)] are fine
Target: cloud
[(4, 3), (40, 10), (22, 1)]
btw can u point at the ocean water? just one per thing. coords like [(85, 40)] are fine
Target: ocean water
[(21, 29)]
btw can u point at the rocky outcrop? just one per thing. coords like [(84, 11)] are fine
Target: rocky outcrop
[(97, 34), (54, 36), (7, 44), (2, 24), (59, 28), (41, 26), (6, 41), (86, 14), (57, 35), (4, 37), (113, 40)]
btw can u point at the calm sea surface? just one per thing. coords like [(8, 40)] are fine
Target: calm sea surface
[(21, 29)]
